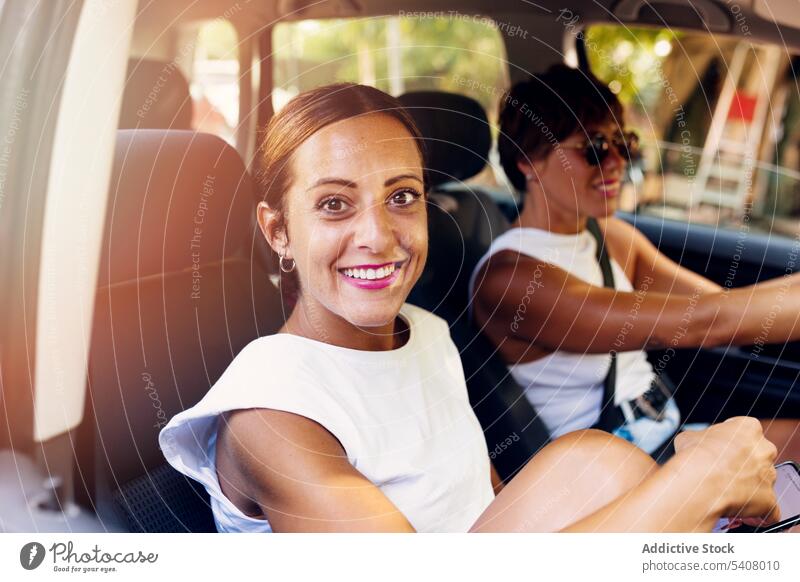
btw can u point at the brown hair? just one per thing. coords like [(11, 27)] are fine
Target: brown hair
[(535, 115), (302, 117)]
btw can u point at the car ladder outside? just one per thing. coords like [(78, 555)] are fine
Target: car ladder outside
[(729, 157)]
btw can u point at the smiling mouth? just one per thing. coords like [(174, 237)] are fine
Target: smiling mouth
[(371, 272), (608, 187)]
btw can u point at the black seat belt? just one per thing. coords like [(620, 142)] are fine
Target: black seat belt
[(611, 416)]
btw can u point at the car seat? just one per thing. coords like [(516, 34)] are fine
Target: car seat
[(178, 297), (462, 222), (156, 96)]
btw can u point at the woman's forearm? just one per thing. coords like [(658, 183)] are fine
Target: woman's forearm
[(678, 497), (557, 311), (765, 313), (769, 312)]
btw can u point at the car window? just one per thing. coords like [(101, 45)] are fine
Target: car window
[(458, 53), (214, 81), (718, 119)]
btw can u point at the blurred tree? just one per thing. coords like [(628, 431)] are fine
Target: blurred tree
[(217, 40), (631, 60), (458, 54)]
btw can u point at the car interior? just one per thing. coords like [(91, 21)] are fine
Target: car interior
[(170, 277)]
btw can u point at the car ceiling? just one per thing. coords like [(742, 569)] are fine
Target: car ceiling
[(754, 18)]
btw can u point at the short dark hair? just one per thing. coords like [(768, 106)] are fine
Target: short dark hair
[(536, 114)]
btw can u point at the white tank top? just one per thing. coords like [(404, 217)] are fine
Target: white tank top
[(566, 388), (402, 417)]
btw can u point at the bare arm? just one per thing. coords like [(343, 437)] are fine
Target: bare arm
[(531, 300), (300, 477), (651, 268), (684, 500), (298, 474), (655, 271), (497, 482)]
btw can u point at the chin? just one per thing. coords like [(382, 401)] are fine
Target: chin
[(368, 320), (608, 209), (368, 314)]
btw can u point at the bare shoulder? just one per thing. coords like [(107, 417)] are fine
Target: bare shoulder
[(507, 262), (627, 243), (620, 230), (614, 223), (502, 272)]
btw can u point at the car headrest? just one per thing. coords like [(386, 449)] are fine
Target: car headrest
[(178, 200), (156, 96), (456, 132)]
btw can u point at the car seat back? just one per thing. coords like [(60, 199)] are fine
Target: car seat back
[(177, 300), (462, 222), (156, 96)]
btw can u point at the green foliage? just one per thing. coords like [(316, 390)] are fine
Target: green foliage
[(627, 58), (434, 53), (218, 40)]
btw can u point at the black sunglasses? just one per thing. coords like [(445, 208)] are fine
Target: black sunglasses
[(598, 146)]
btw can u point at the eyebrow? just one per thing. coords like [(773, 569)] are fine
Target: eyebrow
[(350, 184)]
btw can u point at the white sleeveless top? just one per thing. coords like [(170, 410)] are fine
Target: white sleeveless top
[(566, 388), (402, 417)]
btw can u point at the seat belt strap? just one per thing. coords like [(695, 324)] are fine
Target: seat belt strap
[(611, 417)]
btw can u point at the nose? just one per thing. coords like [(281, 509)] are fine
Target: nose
[(373, 229), (616, 159)]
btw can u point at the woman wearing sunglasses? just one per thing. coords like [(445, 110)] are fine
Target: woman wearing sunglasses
[(355, 416), (572, 296)]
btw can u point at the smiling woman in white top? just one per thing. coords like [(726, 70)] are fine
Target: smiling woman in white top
[(566, 387), (355, 417), (559, 348)]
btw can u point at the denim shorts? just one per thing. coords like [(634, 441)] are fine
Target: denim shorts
[(649, 434)]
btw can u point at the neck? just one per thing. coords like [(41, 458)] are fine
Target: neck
[(545, 214), (312, 320)]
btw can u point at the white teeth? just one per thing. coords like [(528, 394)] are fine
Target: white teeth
[(370, 274)]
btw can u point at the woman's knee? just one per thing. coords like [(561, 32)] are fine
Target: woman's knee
[(569, 479), (601, 455)]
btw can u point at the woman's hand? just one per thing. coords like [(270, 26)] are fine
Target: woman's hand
[(742, 459), (724, 471)]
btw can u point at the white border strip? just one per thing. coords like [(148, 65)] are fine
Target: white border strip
[(75, 211)]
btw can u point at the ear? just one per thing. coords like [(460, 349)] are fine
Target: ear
[(272, 230), (532, 170)]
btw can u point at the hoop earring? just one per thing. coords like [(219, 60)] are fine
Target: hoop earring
[(285, 269)]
